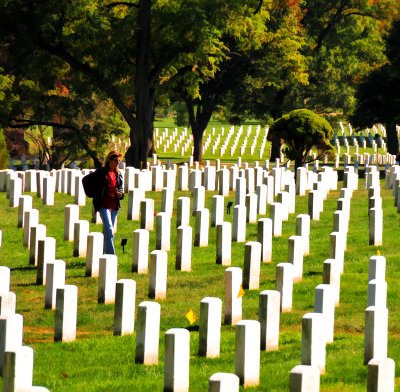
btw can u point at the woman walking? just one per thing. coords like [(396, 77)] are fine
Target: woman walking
[(106, 187)]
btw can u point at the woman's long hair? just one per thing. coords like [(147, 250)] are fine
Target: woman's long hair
[(111, 155)]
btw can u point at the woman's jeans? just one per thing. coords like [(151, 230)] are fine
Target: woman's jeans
[(108, 217)]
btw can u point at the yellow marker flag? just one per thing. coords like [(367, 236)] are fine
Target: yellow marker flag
[(190, 315), (241, 292), (378, 252)]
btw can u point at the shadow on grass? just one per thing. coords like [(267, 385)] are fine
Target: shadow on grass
[(26, 268), (192, 328), (312, 273)]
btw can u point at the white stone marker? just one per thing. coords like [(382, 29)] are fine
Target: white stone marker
[(375, 226), (295, 256), (247, 352), (15, 191), (124, 311), (324, 303), (251, 208), (217, 210), (301, 181), (240, 195), (30, 181), (377, 268), (71, 215), (176, 360), (262, 191), (377, 291), (223, 182), (147, 214), (140, 251), (94, 250), (11, 332), (147, 333), (183, 178), (134, 199), (376, 333), (8, 303), (31, 218), (284, 284), (283, 199), (304, 378), (199, 194), (157, 178), (224, 243), (163, 231), (276, 217), (5, 277), (202, 222), (80, 197), (331, 275), (270, 183), (314, 204), (194, 179), (313, 346), (81, 232), (303, 230), (210, 327), (252, 263), (38, 232), (48, 190), (381, 375), (158, 274), (66, 313), (233, 296), (264, 236), (167, 201), (183, 211), (46, 254), (239, 223), (336, 249), (108, 270), (24, 204), (183, 248), (210, 175), (269, 318), (55, 278), (18, 370), (223, 382)]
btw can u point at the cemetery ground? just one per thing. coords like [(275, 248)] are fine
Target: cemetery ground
[(99, 361)]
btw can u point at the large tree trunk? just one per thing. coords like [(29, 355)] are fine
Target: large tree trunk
[(392, 139), (198, 121), (141, 134)]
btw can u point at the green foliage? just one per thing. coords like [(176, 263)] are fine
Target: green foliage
[(301, 130), (344, 44), (4, 156)]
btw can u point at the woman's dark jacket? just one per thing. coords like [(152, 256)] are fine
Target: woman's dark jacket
[(95, 186)]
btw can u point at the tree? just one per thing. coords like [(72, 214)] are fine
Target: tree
[(300, 130), (263, 57), (117, 51), (345, 42), (378, 95)]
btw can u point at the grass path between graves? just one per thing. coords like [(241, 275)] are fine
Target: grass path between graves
[(98, 361)]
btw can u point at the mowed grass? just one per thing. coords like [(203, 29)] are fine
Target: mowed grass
[(98, 361)]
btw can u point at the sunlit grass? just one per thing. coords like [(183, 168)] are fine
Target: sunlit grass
[(98, 361)]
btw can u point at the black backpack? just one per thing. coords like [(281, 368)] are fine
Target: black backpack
[(88, 184)]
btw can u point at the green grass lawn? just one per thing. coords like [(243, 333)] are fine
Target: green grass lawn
[(98, 361)]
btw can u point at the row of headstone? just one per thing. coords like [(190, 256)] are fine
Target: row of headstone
[(16, 360)]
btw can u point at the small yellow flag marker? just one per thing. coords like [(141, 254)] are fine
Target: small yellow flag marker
[(378, 252), (241, 292), (190, 315)]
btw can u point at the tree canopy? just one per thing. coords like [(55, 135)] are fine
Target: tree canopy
[(300, 130)]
